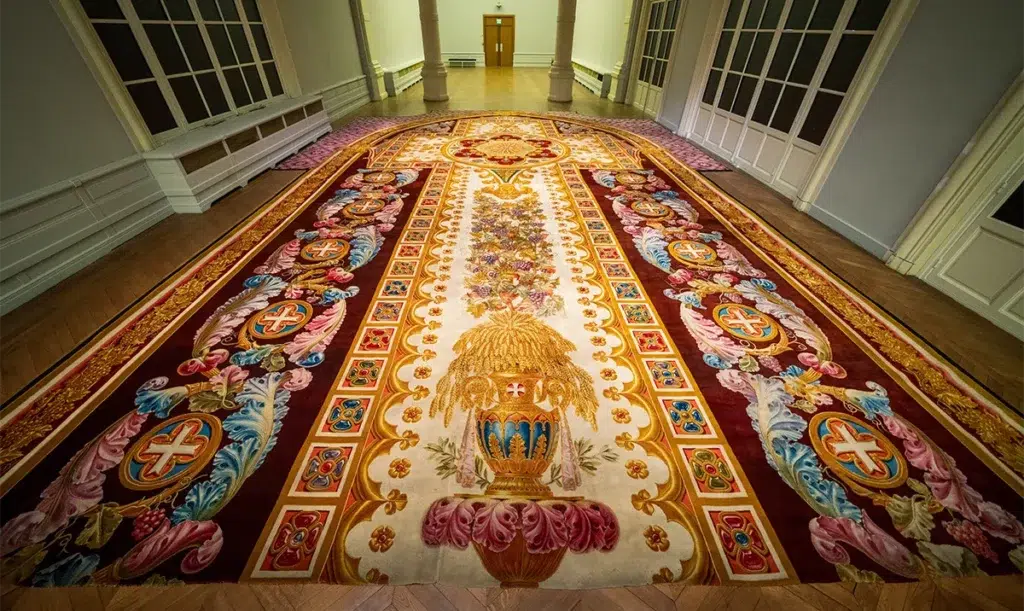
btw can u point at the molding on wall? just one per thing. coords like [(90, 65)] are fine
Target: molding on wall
[(542, 60), (967, 188), (582, 73), (345, 96), (399, 78), (887, 37), (53, 232), (477, 55), (851, 232)]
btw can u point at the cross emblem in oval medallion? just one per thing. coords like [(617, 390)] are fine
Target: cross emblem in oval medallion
[(325, 250), (280, 319), (631, 179), (650, 208), (378, 178), (855, 450), (688, 251), (745, 322), (364, 207), (178, 447)]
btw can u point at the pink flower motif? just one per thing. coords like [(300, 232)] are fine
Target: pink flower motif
[(208, 362), (293, 292), (808, 359), (833, 369), (232, 375), (680, 277), (339, 275), (724, 279), (733, 297), (297, 379), (693, 234)]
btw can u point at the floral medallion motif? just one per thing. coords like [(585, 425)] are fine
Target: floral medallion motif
[(505, 150)]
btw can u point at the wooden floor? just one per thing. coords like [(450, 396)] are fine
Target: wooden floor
[(36, 336), (988, 593)]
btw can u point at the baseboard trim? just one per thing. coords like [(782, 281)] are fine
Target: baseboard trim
[(532, 60), (855, 235)]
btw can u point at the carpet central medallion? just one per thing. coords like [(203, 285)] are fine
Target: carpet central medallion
[(507, 349), (505, 151)]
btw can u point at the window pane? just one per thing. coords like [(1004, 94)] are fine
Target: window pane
[(772, 14), (784, 53), (766, 102), (241, 44), (673, 12), (152, 106), (867, 15), (846, 61), (798, 14), (252, 78), (733, 15), (221, 45), (213, 93), (228, 10), (166, 48), (732, 82), (712, 87), (759, 52), (252, 12), (208, 9), (192, 41), (188, 98), (807, 60), (744, 95), (825, 15), (739, 56), (656, 15), (179, 10), (753, 16), (644, 63), (149, 9), (273, 80), (789, 105), (118, 40), (259, 36), (102, 9), (667, 47), (819, 117), (723, 49), (659, 73), (237, 86), (1012, 210)]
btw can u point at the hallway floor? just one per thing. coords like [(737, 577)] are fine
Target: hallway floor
[(37, 337)]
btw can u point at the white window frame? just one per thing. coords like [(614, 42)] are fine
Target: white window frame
[(884, 41), (86, 39)]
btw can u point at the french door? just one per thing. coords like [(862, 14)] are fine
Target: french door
[(653, 47), (778, 78)]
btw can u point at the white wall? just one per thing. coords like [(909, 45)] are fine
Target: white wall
[(322, 39), (949, 69), (462, 29), (394, 30), (600, 35), (54, 118), (72, 185), (697, 18)]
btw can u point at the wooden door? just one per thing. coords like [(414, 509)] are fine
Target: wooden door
[(499, 39)]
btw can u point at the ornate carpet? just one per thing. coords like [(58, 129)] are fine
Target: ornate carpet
[(507, 348), (315, 154)]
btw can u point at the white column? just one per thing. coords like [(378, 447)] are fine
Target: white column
[(435, 77), (561, 74)]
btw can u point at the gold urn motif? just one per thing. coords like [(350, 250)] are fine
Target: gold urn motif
[(517, 438)]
